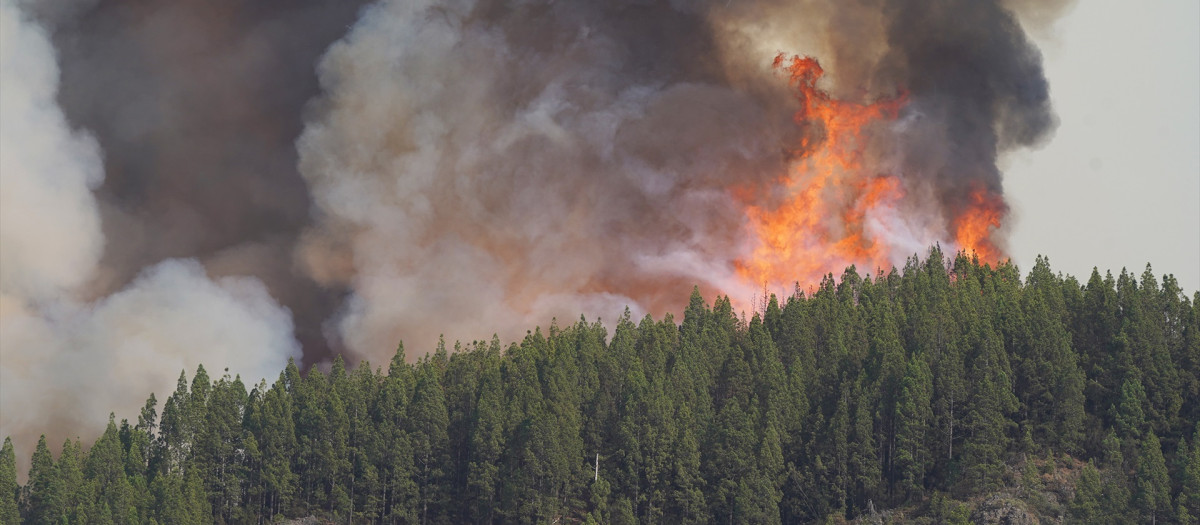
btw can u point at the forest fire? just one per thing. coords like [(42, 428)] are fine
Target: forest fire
[(302, 181), (835, 200)]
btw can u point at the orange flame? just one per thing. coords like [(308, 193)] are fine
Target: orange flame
[(973, 228), (829, 197), (822, 221)]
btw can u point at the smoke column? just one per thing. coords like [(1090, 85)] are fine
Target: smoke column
[(237, 183)]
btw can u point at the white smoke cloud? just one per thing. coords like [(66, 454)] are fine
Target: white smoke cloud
[(49, 226), (113, 353), (66, 363)]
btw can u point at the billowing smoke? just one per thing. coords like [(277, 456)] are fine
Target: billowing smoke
[(478, 165), (231, 183), (66, 361), (197, 105)]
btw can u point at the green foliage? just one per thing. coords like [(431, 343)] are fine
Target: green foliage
[(948, 511), (42, 492), (918, 387), (914, 419), (1188, 474), (9, 490), (1152, 495)]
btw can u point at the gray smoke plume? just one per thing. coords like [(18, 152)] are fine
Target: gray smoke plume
[(232, 182)]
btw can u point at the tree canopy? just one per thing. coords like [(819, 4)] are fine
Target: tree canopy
[(914, 387)]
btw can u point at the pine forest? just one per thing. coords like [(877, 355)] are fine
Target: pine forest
[(927, 394)]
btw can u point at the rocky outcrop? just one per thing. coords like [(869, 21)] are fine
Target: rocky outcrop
[(1003, 509)]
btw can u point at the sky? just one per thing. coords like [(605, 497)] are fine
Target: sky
[(1119, 183)]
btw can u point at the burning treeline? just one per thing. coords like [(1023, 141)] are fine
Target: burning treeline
[(839, 209), (466, 167)]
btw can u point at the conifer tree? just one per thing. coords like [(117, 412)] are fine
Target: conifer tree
[(915, 417), (9, 489), (1187, 501), (1129, 416), (486, 443), (396, 458), (76, 497), (276, 442), (1048, 378), (174, 440), (1089, 492), (1094, 335), (427, 421), (112, 496), (42, 499), (1153, 489)]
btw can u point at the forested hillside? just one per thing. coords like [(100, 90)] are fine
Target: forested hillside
[(916, 390)]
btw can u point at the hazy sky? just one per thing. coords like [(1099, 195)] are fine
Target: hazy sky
[(1119, 183)]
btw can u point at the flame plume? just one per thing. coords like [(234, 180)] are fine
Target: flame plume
[(974, 227), (837, 204), (830, 195)]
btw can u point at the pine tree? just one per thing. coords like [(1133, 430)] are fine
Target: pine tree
[(276, 441), (42, 500), (1088, 494), (987, 422), (76, 495), (1188, 500), (313, 464), (427, 421), (864, 457), (175, 429), (914, 417), (1153, 494), (218, 440), (1094, 333), (1129, 415), (105, 466), (364, 484), (1048, 378), (9, 490), (486, 444), (990, 399), (731, 449), (686, 503), (396, 456), (334, 451)]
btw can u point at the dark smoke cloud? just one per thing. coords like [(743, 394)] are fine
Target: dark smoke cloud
[(976, 86), (196, 105), (352, 178)]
